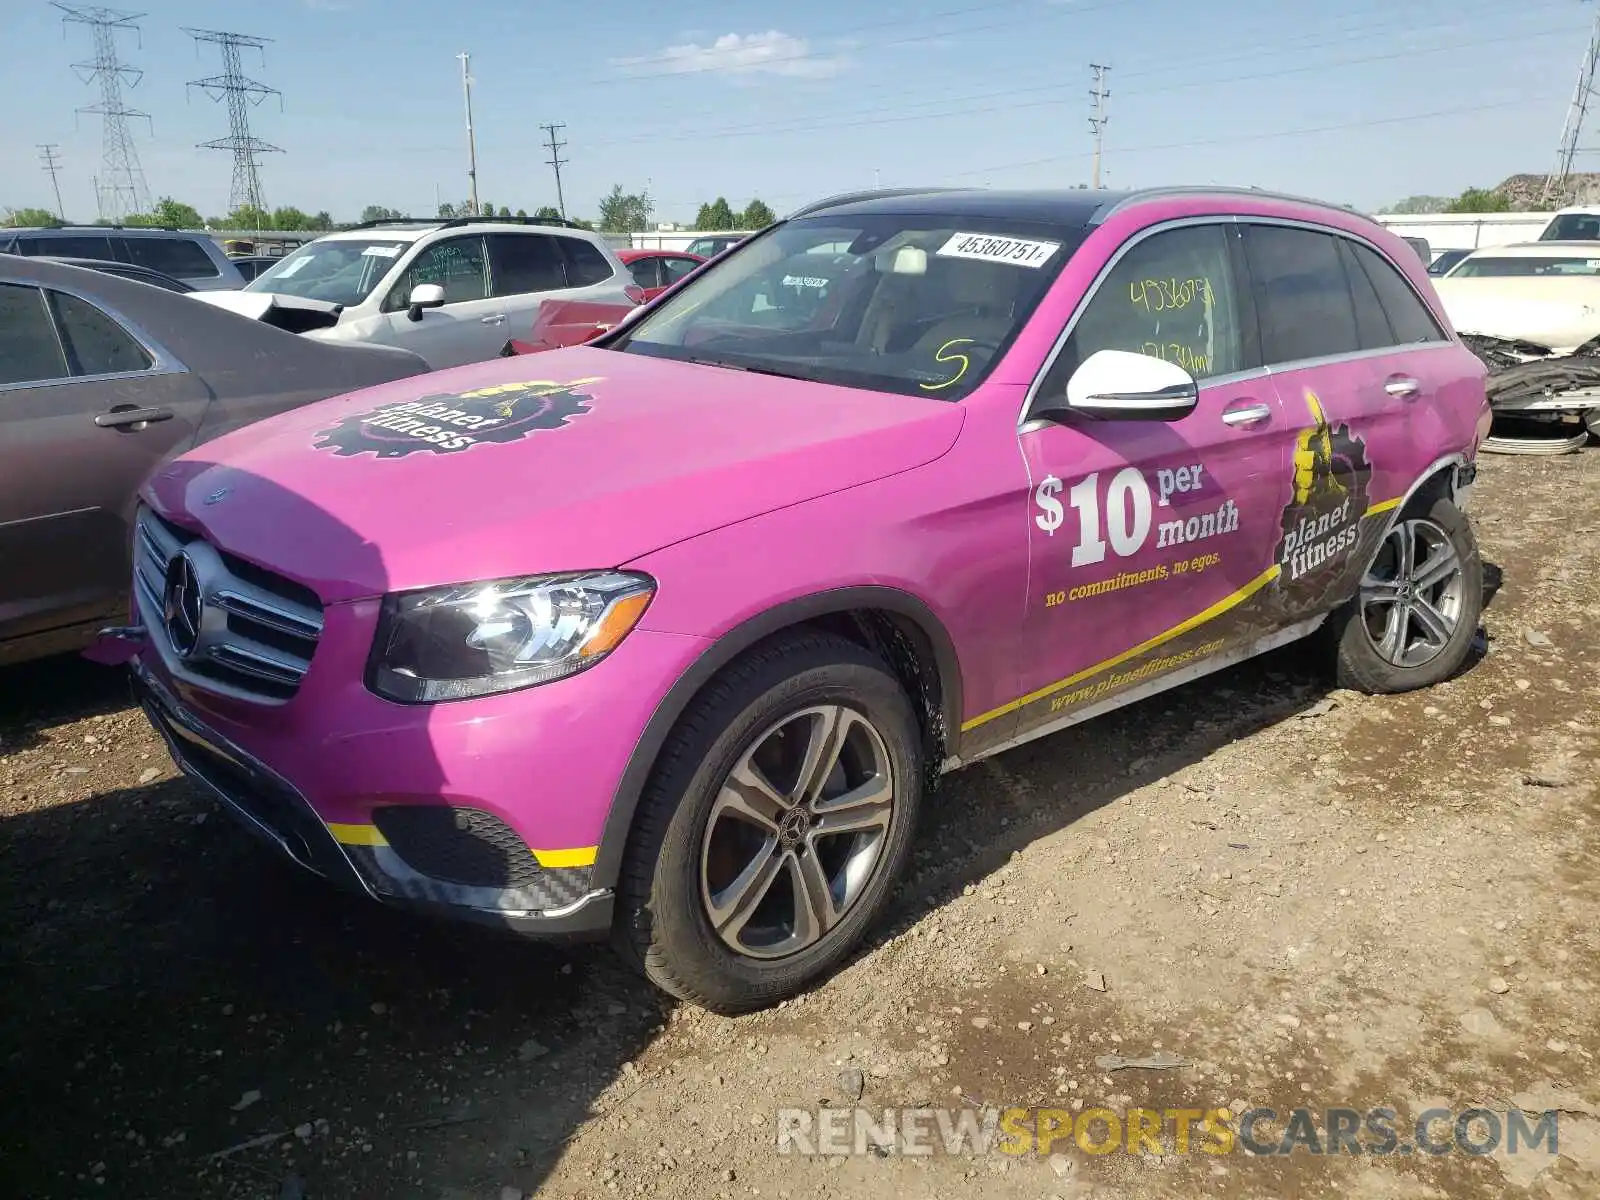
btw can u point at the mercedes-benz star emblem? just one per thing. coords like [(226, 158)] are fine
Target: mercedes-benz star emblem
[(216, 496), (181, 605)]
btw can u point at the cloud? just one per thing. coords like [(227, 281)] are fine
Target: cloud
[(770, 53)]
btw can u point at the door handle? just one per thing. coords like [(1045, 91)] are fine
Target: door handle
[(1402, 387), (495, 320), (1246, 414), (120, 417)]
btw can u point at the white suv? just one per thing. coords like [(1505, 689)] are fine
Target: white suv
[(452, 291)]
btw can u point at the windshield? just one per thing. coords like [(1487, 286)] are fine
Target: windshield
[(341, 270), (922, 306), (1503, 265), (1572, 227)]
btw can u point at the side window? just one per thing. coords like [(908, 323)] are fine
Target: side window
[(30, 352), (1302, 297), (95, 344), (1171, 296), (646, 272), (72, 246), (179, 257), (674, 269), (586, 266), (525, 262), (1372, 323), (1408, 315), (457, 264)]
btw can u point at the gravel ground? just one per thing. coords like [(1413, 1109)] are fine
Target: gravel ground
[(1308, 897)]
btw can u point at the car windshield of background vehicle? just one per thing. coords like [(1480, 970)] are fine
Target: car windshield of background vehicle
[(341, 271), (919, 305), (1505, 266), (1573, 227)]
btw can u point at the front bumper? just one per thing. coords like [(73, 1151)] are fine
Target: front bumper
[(553, 902)]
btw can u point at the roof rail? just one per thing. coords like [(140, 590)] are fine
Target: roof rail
[(869, 194), (457, 222), (1139, 195), (108, 225)]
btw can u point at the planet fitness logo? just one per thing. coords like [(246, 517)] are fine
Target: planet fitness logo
[(1322, 522), (448, 423)]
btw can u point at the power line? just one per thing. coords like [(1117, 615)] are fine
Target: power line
[(556, 163), (50, 160), (241, 94), (1098, 94), (120, 187), (1572, 128)]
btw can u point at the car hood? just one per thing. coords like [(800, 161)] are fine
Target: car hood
[(296, 314), (569, 460), (1559, 313)]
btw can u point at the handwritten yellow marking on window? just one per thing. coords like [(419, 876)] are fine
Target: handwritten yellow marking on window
[(1162, 295), (939, 357)]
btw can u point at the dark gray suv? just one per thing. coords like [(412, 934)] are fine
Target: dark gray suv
[(189, 255)]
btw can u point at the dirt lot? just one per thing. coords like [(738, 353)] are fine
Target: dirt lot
[(1312, 898)]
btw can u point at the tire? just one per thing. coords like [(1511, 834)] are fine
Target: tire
[(777, 698), (1361, 662)]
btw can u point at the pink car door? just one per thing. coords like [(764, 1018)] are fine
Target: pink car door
[(1355, 357), (1151, 541)]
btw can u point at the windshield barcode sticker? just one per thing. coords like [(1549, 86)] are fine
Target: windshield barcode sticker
[(382, 251), (989, 248)]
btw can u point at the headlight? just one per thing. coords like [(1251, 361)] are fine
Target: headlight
[(480, 638)]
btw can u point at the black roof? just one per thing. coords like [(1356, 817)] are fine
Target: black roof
[(1062, 207)]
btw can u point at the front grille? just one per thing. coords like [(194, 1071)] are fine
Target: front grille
[(458, 845), (260, 628)]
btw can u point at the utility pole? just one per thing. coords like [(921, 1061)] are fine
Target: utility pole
[(1097, 117), (472, 144), (125, 188), (1572, 128), (556, 162), (50, 160)]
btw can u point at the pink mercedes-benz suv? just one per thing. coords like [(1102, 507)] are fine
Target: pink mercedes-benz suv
[(666, 635)]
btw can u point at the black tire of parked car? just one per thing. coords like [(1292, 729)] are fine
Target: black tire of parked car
[(1357, 663), (662, 926)]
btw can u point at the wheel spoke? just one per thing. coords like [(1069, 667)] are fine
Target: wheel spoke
[(1438, 567), (1396, 627), (732, 907), (859, 810), (746, 794), (824, 741), (1436, 627), (814, 910), (1405, 550)]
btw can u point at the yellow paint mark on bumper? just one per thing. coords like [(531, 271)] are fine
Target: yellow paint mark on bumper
[(1200, 618), (580, 856), (357, 835)]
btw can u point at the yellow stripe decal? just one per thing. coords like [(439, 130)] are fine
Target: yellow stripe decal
[(357, 835), (1194, 622), (581, 856), (1382, 506)]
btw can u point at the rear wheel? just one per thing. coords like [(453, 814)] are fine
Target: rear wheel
[(1412, 622), (773, 829)]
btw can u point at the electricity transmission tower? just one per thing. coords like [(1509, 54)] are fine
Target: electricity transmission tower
[(1555, 183), (556, 162), (50, 160), (242, 94), (1097, 116), (120, 187)]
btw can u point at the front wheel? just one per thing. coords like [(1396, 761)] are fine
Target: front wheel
[(1412, 623), (775, 825)]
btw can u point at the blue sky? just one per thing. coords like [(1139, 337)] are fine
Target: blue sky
[(1359, 102)]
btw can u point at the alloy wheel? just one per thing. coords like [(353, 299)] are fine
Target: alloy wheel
[(1411, 599)]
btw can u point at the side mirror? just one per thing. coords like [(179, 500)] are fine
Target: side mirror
[(424, 295), (1118, 384)]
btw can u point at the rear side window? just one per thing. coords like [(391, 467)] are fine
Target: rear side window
[(1372, 323), (585, 264), (180, 257), (30, 352), (1172, 297), (1409, 317), (1302, 297), (70, 246), (646, 272), (95, 344), (674, 269), (525, 262)]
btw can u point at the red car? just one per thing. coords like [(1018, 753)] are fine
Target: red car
[(572, 322), (657, 270)]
